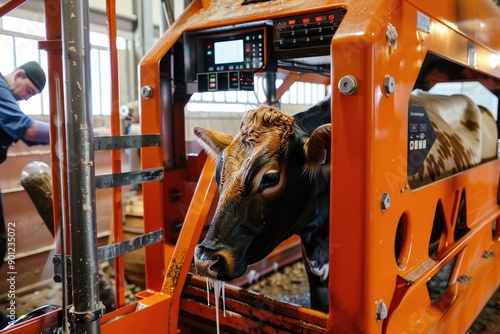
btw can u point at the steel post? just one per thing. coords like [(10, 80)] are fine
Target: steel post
[(86, 310)]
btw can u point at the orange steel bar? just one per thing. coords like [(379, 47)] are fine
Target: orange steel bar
[(151, 318), (116, 155), (182, 257), (53, 45), (9, 6), (55, 80), (157, 255)]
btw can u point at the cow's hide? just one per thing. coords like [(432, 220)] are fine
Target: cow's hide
[(466, 134)]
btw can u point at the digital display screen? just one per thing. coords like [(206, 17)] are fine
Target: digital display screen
[(231, 51), (228, 52)]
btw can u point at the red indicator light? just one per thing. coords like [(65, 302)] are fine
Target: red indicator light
[(318, 18), (209, 46), (291, 21), (306, 20), (331, 17)]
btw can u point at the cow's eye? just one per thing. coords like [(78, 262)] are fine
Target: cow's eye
[(269, 180)]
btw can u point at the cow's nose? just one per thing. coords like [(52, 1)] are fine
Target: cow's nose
[(209, 263)]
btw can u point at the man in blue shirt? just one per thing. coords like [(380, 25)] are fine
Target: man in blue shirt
[(24, 82)]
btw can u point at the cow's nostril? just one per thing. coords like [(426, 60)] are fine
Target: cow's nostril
[(218, 265), (210, 262)]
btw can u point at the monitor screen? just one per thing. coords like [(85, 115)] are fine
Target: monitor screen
[(231, 51), (228, 52)]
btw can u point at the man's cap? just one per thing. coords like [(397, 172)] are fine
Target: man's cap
[(35, 73)]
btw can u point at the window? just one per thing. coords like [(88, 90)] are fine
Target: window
[(19, 39), (241, 101)]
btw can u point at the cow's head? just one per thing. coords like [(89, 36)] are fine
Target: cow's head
[(265, 179)]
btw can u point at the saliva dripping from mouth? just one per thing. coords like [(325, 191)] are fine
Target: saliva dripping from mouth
[(218, 287)]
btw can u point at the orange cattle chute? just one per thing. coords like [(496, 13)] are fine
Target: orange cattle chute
[(372, 289), (380, 229)]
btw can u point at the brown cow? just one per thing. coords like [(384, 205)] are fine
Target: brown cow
[(270, 188)]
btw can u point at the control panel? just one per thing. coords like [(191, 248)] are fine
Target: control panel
[(226, 61), (305, 35), (226, 58), (243, 50)]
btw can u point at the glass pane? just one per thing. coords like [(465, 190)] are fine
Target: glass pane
[(121, 43), (301, 88), (285, 99), (243, 96), (105, 79), (26, 50), (96, 83), (7, 54), (207, 96), (33, 106), (98, 39), (219, 96), (29, 27), (231, 96), (45, 93)]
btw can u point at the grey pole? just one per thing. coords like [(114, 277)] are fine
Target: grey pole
[(270, 88), (86, 311)]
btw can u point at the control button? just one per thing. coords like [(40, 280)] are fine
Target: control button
[(302, 32), (288, 33), (316, 31)]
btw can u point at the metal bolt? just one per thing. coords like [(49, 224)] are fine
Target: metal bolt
[(488, 255), (348, 85), (385, 202), (146, 92), (389, 85), (381, 310), (392, 36), (175, 195), (464, 279)]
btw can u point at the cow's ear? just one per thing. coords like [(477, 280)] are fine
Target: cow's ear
[(317, 149), (213, 142)]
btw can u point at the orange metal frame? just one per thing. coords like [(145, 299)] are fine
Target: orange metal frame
[(369, 157)]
